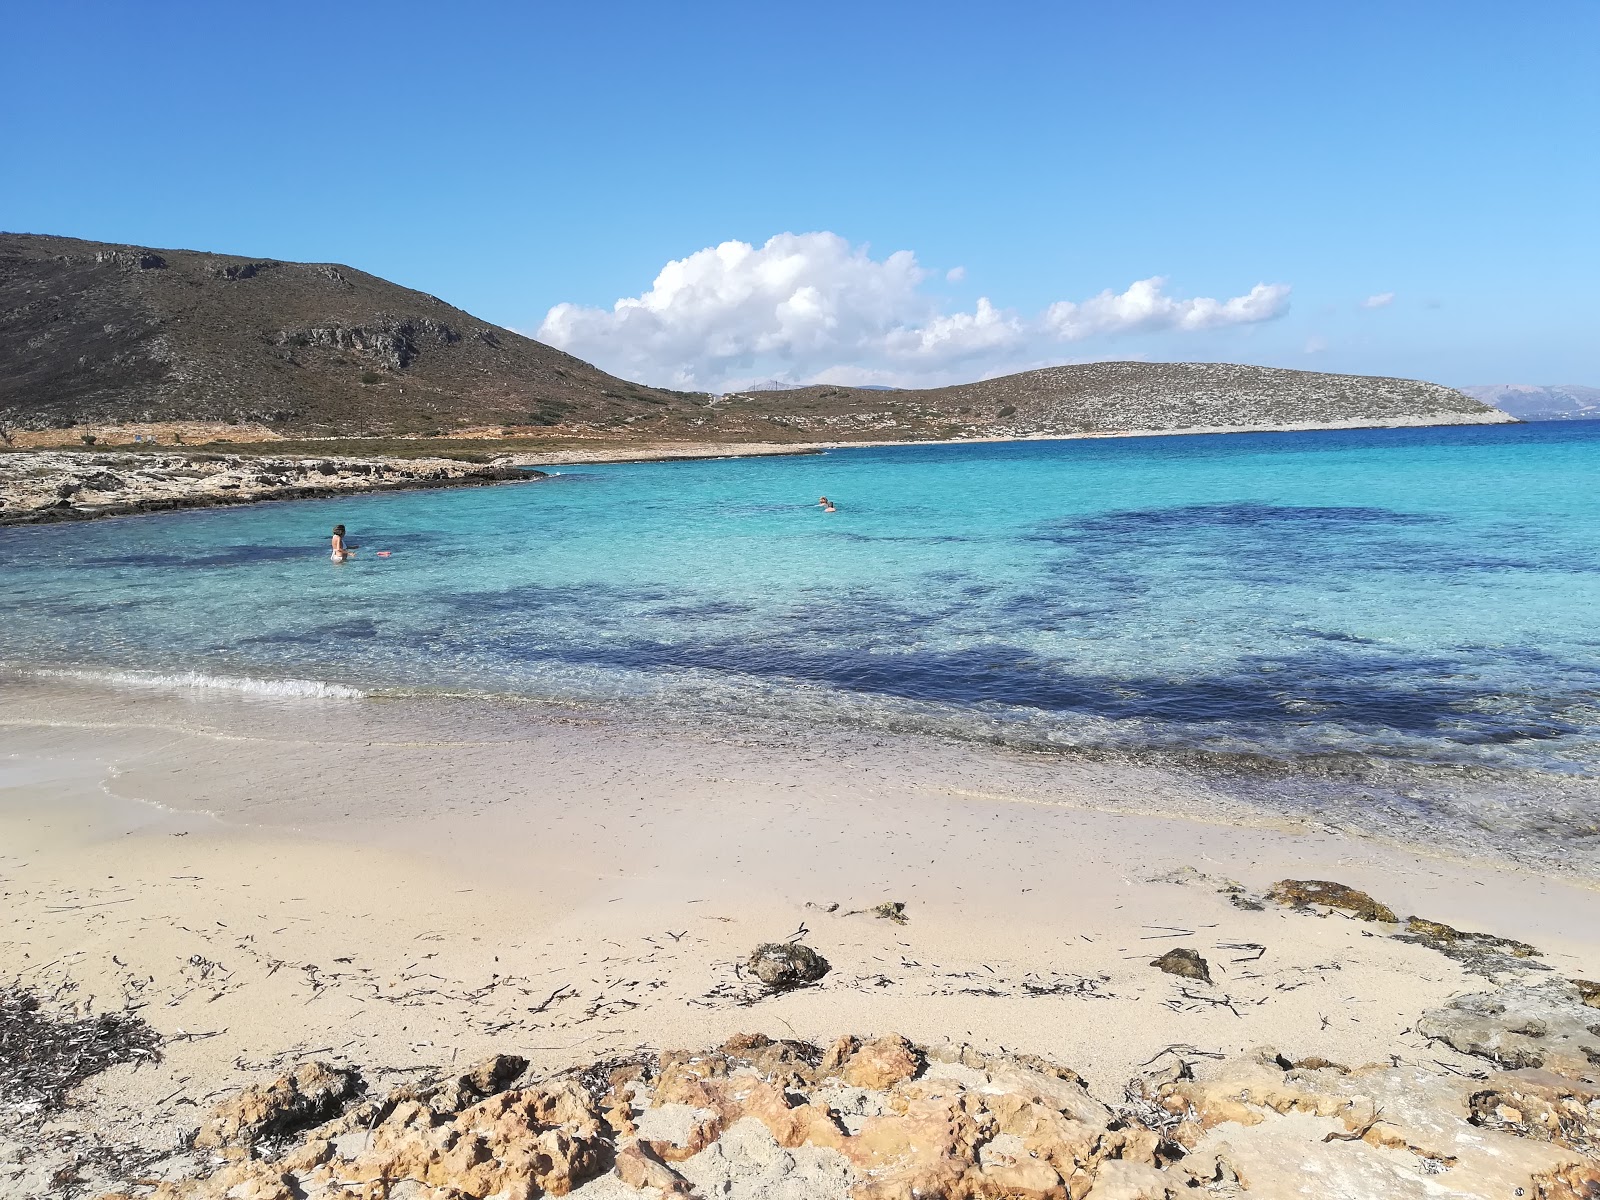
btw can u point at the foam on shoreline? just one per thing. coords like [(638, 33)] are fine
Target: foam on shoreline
[(314, 689)]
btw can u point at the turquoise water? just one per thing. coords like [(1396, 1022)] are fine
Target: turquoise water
[(1426, 597)]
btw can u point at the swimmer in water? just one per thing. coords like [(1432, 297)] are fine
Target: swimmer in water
[(341, 552), (826, 505)]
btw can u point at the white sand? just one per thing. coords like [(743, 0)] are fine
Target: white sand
[(404, 885)]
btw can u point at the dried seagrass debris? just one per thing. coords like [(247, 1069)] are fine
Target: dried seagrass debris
[(44, 1055)]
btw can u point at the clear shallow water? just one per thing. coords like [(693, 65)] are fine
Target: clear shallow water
[(1423, 597)]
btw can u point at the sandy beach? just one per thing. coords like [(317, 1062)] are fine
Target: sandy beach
[(406, 886)]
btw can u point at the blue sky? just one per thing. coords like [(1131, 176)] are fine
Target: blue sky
[(511, 158)]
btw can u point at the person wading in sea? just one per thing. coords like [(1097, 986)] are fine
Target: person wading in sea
[(341, 552)]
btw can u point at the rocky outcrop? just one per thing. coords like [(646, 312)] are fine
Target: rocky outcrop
[(313, 1092), (883, 1119), (43, 486)]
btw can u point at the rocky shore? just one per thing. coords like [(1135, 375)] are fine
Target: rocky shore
[(1497, 1095), (45, 486)]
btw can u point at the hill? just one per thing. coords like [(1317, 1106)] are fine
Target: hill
[(98, 333), (94, 334), (1111, 397), (1534, 402)]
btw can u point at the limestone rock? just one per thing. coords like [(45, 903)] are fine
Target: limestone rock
[(1518, 1026), (1184, 962), (785, 965), (313, 1092), (1302, 893), (877, 1064)]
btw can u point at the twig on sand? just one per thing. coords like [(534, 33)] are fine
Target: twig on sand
[(1256, 946), (1182, 1050), (1356, 1135), (1222, 1002), (561, 993)]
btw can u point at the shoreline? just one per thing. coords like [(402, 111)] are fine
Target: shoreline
[(1431, 809), (74, 465), (46, 494), (409, 886)]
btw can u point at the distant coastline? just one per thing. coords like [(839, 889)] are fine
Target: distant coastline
[(43, 485)]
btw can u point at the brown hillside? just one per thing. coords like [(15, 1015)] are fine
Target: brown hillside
[(98, 333)]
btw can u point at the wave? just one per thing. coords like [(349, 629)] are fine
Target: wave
[(314, 689)]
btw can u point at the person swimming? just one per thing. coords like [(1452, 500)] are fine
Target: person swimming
[(341, 551), (826, 505)]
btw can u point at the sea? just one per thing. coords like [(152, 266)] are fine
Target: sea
[(1399, 609)]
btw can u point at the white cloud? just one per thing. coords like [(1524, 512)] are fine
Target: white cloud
[(955, 274), (813, 308), (1144, 307), (1316, 344), (1381, 300)]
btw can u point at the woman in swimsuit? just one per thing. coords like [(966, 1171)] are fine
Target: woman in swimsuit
[(341, 552)]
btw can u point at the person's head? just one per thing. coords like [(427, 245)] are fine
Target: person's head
[(823, 500), (338, 531)]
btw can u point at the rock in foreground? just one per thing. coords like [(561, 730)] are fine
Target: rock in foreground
[(882, 1119)]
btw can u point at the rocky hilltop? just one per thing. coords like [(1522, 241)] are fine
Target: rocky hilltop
[(93, 333), (1139, 397), (198, 345)]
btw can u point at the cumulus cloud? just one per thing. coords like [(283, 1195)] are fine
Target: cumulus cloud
[(955, 274), (1381, 300), (1316, 344), (1145, 307), (813, 308)]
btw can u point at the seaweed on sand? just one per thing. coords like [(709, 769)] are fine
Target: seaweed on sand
[(43, 1056)]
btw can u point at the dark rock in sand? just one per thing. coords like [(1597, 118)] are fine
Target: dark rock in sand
[(1302, 893), (1184, 962), (785, 965)]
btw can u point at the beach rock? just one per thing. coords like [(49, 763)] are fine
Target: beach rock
[(1480, 953), (1399, 1132), (1588, 991), (785, 965), (639, 1169), (1302, 893), (313, 1092), (877, 1064), (1185, 963), (881, 1119), (1519, 1026), (1542, 1105)]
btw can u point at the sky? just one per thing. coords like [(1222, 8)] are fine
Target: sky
[(707, 195)]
